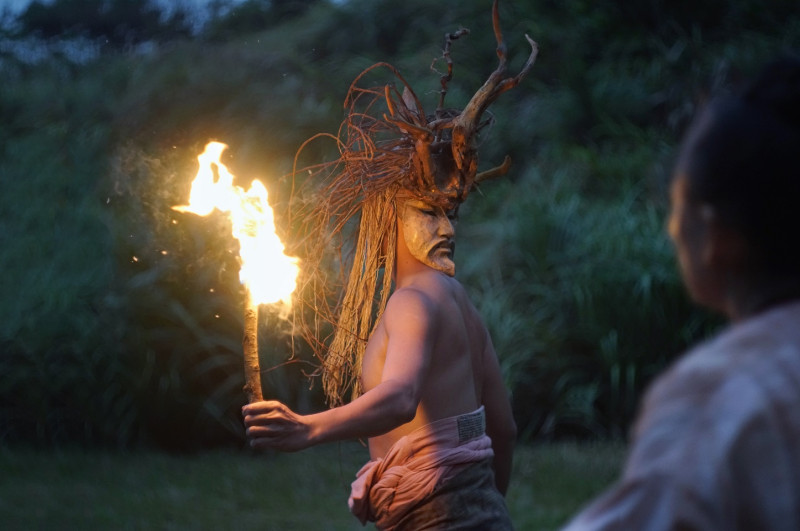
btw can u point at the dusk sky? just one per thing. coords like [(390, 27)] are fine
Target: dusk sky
[(18, 5)]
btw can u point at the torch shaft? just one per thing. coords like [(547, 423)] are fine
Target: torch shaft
[(252, 370)]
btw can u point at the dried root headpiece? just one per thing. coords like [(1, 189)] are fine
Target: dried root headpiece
[(386, 143)]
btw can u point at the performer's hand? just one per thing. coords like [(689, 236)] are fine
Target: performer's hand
[(270, 424)]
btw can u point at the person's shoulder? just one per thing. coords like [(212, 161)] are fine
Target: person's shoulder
[(701, 373), (410, 298), (430, 284), (725, 384), (742, 351), (426, 294)]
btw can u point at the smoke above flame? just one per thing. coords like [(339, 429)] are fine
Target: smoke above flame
[(267, 273)]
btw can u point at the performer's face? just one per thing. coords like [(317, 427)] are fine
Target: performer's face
[(429, 232), (692, 234)]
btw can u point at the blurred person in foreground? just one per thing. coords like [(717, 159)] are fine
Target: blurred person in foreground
[(408, 345), (716, 445)]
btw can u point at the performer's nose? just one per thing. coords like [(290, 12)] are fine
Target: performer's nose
[(446, 227)]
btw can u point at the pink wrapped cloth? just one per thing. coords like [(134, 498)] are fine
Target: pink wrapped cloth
[(419, 466)]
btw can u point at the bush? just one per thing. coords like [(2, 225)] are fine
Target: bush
[(109, 330), (582, 299)]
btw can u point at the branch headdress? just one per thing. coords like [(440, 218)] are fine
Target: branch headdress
[(387, 143)]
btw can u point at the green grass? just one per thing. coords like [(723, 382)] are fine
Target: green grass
[(551, 482), (226, 490)]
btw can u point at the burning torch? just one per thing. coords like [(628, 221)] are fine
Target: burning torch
[(268, 275)]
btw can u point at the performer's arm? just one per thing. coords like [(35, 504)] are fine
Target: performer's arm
[(500, 425), (408, 319)]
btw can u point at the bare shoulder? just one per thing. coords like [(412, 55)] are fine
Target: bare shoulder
[(431, 291), (430, 297), (443, 303), (411, 300)]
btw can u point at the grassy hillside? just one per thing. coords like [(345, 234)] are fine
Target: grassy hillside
[(144, 490), (120, 320)]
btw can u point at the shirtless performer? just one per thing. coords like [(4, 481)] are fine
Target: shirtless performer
[(428, 391), (429, 359)]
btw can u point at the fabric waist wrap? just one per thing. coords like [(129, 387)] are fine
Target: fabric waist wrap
[(386, 488)]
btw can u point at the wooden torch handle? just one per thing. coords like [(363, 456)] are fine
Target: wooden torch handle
[(252, 371)]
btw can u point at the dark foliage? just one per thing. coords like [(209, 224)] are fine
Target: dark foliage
[(253, 16), (119, 22), (110, 332)]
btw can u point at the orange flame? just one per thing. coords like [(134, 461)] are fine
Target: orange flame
[(267, 273)]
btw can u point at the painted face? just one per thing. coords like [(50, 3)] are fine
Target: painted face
[(429, 232)]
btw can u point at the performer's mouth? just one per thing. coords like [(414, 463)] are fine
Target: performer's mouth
[(445, 247)]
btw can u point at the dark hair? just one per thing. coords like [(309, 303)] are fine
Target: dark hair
[(742, 156)]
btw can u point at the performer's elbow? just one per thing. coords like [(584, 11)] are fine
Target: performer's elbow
[(503, 433), (402, 405), (406, 408)]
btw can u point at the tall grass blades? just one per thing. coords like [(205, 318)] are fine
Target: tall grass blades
[(120, 320), (582, 298), (59, 366)]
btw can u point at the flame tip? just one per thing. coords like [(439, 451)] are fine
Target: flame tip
[(269, 275)]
